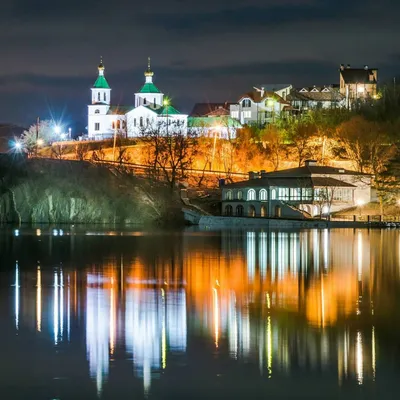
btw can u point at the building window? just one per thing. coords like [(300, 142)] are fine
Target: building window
[(273, 194), (235, 114), (264, 212), (141, 122), (144, 101), (306, 193), (283, 193), (251, 195), (268, 114), (342, 194), (105, 97), (239, 211), (228, 195), (113, 125), (97, 126), (252, 211), (228, 210), (98, 96), (246, 114), (295, 194), (154, 103), (263, 195), (118, 124), (239, 195), (147, 122), (97, 111), (246, 103)]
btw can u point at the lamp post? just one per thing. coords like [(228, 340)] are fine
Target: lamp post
[(115, 137), (166, 105)]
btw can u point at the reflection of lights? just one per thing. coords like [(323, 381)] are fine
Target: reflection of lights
[(359, 255), (273, 256), (55, 232), (17, 296), (69, 309), (16, 232), (112, 316), (61, 232), (40, 142), (322, 301), (233, 329), (97, 334), (359, 359), (39, 300), (251, 255), (269, 346), (163, 333), (38, 232), (61, 304), (263, 254), (373, 354), (216, 316), (55, 308), (268, 301)]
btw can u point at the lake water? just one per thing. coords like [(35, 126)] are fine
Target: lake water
[(86, 314)]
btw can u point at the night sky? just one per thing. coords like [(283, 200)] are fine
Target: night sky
[(201, 51)]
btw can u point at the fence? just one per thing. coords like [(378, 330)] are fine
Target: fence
[(366, 218)]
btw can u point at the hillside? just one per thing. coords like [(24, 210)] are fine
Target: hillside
[(60, 191)]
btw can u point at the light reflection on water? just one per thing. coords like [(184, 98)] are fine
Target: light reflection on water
[(282, 301)]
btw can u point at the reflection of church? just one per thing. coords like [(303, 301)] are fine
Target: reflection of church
[(151, 110)]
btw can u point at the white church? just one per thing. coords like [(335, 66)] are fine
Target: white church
[(151, 110)]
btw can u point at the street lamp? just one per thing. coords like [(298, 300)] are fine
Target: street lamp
[(40, 142), (166, 105), (57, 130)]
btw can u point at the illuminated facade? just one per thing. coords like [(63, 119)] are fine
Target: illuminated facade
[(150, 111), (310, 190)]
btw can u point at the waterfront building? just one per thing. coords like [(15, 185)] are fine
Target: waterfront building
[(310, 190)]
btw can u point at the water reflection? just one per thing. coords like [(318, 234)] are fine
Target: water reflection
[(283, 301)]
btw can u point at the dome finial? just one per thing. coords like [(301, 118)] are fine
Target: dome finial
[(101, 66), (149, 72)]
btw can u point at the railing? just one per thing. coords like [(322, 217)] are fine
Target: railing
[(366, 218)]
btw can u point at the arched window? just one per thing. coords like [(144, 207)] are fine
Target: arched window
[(228, 195), (263, 195), (251, 194), (97, 111), (118, 124), (239, 211), (98, 96), (246, 103), (252, 211), (239, 195), (105, 97), (228, 210), (273, 194), (113, 125), (263, 211)]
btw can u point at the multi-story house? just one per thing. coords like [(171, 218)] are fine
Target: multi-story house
[(316, 97), (358, 84), (259, 107)]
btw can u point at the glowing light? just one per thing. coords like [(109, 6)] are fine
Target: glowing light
[(39, 300), (359, 359), (251, 255), (38, 232), (163, 334), (61, 304), (61, 232), (57, 129), (360, 89), (270, 102), (166, 102), (112, 317), (63, 136), (360, 202), (55, 232), (69, 309), (40, 142), (16, 232), (17, 145)]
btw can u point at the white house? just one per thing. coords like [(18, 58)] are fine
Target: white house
[(259, 107), (150, 110)]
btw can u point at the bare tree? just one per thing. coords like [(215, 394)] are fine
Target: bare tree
[(171, 150), (58, 151), (81, 151)]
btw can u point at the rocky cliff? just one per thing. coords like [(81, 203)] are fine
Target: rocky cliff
[(58, 191)]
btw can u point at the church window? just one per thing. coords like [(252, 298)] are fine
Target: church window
[(98, 96), (141, 122), (144, 101), (97, 126), (154, 104), (113, 125), (147, 121), (118, 124), (134, 122), (97, 111), (105, 97)]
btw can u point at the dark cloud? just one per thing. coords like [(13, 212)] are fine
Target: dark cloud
[(205, 50)]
